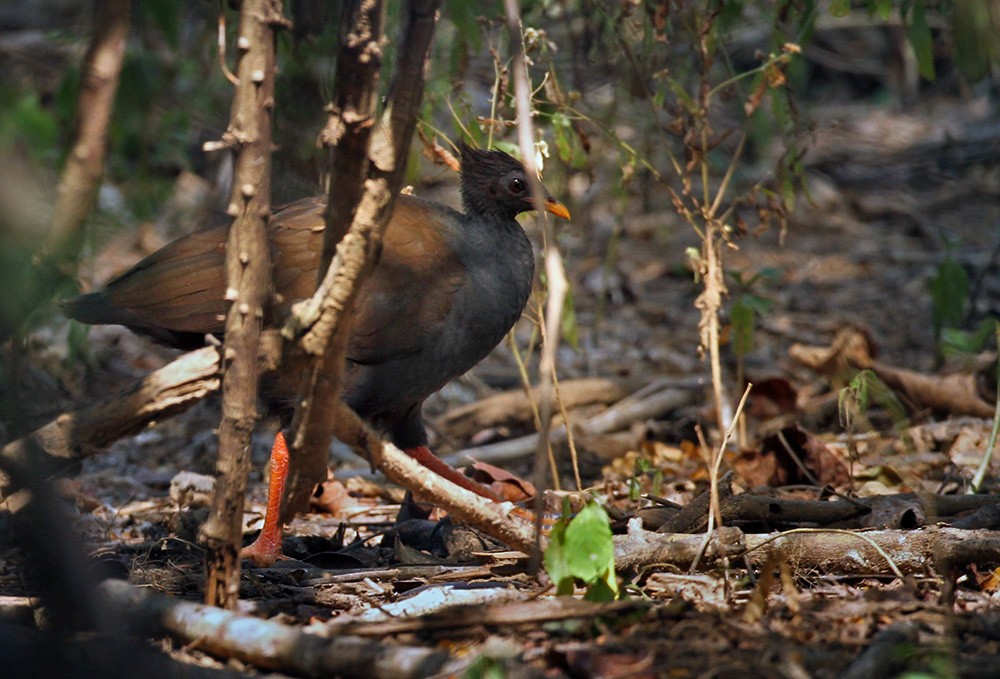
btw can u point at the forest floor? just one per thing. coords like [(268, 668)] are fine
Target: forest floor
[(890, 193)]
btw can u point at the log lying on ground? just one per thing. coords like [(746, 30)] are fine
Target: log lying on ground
[(515, 407), (78, 434), (898, 510), (272, 645), (819, 551), (616, 417)]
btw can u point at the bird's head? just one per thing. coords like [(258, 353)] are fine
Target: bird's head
[(494, 182)]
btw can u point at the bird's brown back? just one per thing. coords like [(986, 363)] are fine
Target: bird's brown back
[(181, 288)]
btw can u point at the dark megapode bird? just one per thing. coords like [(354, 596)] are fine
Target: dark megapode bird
[(446, 289)]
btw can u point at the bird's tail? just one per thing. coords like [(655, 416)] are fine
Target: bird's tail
[(91, 308)]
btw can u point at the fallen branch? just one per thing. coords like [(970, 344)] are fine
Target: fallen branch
[(483, 611), (75, 435), (512, 407), (503, 521), (639, 549), (900, 510), (271, 645), (616, 417), (878, 553)]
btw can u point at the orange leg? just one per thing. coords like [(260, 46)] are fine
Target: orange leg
[(266, 549), (425, 457)]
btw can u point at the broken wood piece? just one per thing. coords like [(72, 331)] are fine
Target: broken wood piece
[(640, 549), (898, 510), (694, 517), (514, 406), (955, 394), (513, 526), (620, 415), (502, 613), (272, 645), (817, 551), (79, 434)]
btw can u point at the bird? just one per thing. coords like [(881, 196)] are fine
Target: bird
[(446, 288)]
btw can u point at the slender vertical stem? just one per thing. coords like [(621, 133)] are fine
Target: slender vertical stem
[(554, 272), (248, 272)]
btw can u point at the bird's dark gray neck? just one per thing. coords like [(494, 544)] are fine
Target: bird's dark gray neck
[(500, 253)]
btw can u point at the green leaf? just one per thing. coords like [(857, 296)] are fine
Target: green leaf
[(949, 293), (682, 95), (656, 487), (958, 342), (882, 9), (744, 320), (568, 325), (634, 491), (840, 8), (556, 561), (581, 549), (485, 667), (589, 551), (563, 139), (605, 588), (972, 38), (919, 35)]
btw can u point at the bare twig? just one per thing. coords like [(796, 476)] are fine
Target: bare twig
[(555, 276), (623, 413), (221, 48), (248, 273), (501, 520), (383, 170), (75, 435), (349, 239), (84, 167), (984, 464), (272, 645)]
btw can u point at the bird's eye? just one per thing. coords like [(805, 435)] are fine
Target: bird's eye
[(516, 185)]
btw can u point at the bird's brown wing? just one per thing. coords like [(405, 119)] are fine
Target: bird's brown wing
[(409, 292), (296, 235), (180, 287), (412, 287)]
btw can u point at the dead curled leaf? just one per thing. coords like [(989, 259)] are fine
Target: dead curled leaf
[(791, 456), (509, 486), (853, 349), (956, 394), (331, 496)]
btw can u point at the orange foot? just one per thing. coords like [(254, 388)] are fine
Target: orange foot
[(266, 549), (425, 457)]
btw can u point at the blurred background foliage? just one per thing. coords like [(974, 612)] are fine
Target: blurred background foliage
[(619, 87)]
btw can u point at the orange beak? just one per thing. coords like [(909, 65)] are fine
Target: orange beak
[(555, 207)]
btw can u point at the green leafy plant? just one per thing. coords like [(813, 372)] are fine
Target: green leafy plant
[(580, 549), (864, 390), (748, 306), (642, 468), (949, 293), (913, 14), (485, 667)]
